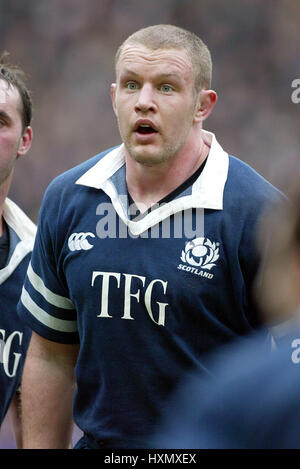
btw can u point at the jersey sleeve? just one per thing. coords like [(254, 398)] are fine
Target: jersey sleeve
[(45, 304)]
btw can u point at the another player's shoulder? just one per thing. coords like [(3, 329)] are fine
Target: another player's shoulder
[(66, 181), (244, 182), (17, 220), (63, 195)]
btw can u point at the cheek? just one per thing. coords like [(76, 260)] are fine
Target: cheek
[(9, 146), (7, 143), (182, 112), (179, 123), (121, 109)]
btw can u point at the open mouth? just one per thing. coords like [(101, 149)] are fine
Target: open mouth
[(145, 129)]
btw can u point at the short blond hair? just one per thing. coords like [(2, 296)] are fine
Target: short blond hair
[(166, 36)]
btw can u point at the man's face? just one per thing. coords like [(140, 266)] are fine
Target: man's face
[(13, 141), (154, 101)]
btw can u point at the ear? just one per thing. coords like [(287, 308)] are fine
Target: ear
[(113, 88), (205, 104), (25, 141)]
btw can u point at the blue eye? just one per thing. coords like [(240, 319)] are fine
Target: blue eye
[(131, 85), (166, 88)]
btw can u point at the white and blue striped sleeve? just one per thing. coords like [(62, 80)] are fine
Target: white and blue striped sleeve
[(45, 304)]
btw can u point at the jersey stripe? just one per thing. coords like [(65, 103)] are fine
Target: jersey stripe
[(45, 318), (52, 298)]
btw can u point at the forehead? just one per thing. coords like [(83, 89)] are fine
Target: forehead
[(138, 57), (9, 96)]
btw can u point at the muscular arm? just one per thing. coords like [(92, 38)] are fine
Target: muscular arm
[(47, 394), (15, 415)]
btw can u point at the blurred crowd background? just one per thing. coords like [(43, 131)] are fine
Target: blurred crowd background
[(67, 47)]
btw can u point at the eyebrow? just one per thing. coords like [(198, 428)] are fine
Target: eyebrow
[(174, 76), (128, 71), (166, 75), (4, 115)]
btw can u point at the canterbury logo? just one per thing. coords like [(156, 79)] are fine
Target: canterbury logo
[(78, 241)]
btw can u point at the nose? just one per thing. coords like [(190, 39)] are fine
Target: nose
[(145, 101)]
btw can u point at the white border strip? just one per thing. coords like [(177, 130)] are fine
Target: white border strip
[(60, 325), (52, 298)]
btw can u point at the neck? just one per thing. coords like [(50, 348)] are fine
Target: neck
[(149, 184)]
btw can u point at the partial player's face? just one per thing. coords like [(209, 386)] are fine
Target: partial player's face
[(154, 102), (13, 141)]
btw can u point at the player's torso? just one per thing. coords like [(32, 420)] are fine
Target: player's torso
[(14, 336), (147, 306), (175, 275)]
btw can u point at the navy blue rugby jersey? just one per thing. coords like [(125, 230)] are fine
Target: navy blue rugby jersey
[(145, 297), (14, 333)]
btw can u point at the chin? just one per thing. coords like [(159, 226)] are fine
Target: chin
[(148, 160), (144, 155)]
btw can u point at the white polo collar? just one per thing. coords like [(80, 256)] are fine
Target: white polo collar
[(207, 190), (25, 229)]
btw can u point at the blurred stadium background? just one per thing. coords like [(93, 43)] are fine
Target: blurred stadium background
[(67, 48)]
